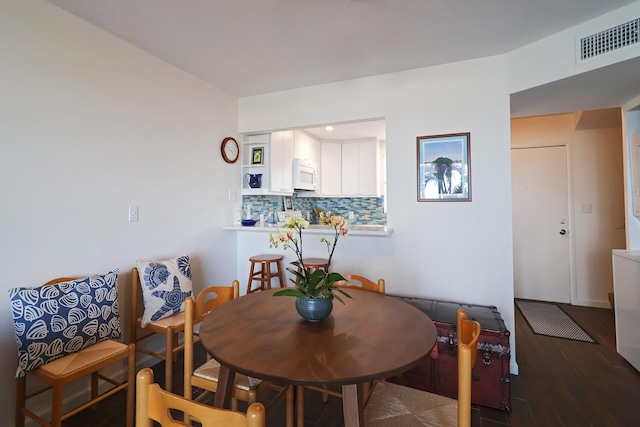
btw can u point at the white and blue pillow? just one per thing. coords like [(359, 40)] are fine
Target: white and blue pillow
[(165, 287), (55, 320)]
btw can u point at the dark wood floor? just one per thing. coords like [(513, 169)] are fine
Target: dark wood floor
[(561, 383)]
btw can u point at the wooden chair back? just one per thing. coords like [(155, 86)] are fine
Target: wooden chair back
[(87, 362), (468, 333), (207, 300), (170, 327), (205, 377), (359, 282), (214, 296), (155, 404)]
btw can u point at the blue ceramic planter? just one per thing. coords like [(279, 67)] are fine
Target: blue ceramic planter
[(314, 310)]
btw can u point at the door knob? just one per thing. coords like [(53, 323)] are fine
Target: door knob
[(563, 232)]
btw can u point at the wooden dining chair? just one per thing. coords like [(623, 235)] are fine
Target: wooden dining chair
[(353, 281), (359, 282), (245, 388), (81, 358), (393, 404), (155, 404), (170, 327), (468, 332)]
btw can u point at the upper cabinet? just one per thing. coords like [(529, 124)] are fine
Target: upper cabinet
[(306, 147), (361, 168), (351, 168), (331, 169), (281, 166)]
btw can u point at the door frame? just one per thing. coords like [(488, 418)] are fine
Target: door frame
[(568, 144)]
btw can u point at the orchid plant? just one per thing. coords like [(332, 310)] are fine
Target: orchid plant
[(316, 284)]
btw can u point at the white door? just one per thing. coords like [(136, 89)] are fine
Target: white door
[(540, 224)]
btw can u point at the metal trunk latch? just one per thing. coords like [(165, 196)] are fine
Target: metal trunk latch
[(487, 353)]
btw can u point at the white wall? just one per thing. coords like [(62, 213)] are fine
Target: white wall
[(456, 251), (91, 125), (595, 177)]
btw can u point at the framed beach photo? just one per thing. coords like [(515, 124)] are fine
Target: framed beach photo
[(257, 156), (444, 168)]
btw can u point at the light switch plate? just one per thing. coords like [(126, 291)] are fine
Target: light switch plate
[(133, 214), (586, 208)]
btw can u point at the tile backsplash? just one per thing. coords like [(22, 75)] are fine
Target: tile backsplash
[(366, 210)]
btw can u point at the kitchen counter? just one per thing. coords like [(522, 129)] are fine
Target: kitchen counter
[(354, 229)]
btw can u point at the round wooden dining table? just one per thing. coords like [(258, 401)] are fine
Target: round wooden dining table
[(371, 337)]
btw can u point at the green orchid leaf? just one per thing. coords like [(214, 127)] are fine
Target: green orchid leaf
[(335, 277), (290, 293), (342, 291), (338, 298)]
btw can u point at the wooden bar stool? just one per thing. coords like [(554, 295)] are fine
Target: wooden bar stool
[(313, 264), (265, 274)]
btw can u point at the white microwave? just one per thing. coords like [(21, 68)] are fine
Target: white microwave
[(305, 174)]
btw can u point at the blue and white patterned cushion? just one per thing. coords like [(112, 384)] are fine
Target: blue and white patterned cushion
[(165, 287), (55, 320)]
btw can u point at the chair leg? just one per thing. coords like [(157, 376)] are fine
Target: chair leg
[(56, 406), (131, 385), (279, 274), (21, 390), (267, 276), (94, 388), (168, 362), (251, 274)]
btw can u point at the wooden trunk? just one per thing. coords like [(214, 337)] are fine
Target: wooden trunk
[(438, 372)]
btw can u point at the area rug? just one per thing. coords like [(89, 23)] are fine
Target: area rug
[(550, 320), (393, 405)]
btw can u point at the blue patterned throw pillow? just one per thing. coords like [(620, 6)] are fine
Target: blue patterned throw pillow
[(165, 287), (55, 320)]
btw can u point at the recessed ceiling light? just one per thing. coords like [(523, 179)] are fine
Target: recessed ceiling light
[(329, 128)]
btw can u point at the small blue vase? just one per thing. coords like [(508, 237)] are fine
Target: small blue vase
[(314, 310)]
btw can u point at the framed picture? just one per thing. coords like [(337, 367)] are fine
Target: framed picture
[(257, 156), (288, 203), (444, 168)]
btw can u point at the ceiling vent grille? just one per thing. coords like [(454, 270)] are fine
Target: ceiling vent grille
[(610, 40)]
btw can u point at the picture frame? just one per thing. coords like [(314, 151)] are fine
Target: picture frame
[(257, 155), (444, 167), (288, 203)]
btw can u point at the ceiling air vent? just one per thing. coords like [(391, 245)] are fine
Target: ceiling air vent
[(610, 40)]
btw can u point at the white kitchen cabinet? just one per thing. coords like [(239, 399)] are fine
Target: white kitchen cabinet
[(281, 164), (361, 168), (331, 169), (306, 147)]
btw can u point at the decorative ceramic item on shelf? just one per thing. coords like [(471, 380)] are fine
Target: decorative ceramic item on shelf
[(253, 179), (314, 291)]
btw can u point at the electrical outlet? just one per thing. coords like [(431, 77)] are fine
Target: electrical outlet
[(133, 214), (351, 215)]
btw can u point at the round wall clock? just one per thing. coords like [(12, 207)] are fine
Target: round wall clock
[(230, 150)]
